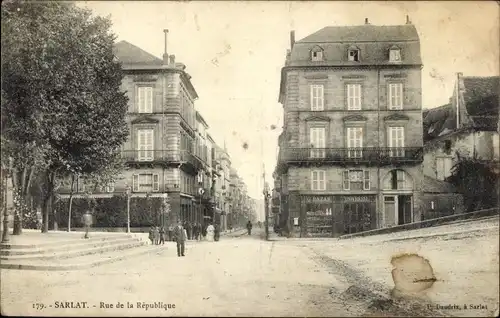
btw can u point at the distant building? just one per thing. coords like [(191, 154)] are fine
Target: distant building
[(467, 125), (350, 156)]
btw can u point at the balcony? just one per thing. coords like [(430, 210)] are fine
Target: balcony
[(372, 155), (161, 156)]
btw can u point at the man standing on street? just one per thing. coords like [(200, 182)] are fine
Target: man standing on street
[(249, 227), (180, 236)]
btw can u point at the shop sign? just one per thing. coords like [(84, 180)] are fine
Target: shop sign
[(318, 199), (363, 198)]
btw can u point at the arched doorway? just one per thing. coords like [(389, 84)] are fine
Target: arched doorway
[(397, 188)]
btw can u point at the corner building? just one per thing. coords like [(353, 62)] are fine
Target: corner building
[(350, 153)]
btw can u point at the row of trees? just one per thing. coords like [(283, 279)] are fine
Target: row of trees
[(62, 110)]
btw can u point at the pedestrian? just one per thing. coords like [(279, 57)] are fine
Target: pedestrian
[(189, 231), (87, 221), (204, 231), (195, 231), (156, 235), (180, 236), (152, 234), (216, 232), (249, 227), (210, 232), (162, 235)]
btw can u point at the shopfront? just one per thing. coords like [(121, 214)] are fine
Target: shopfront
[(335, 215)]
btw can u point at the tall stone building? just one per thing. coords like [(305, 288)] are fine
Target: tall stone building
[(350, 154), (167, 150)]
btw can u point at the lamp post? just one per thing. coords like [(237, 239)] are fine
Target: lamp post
[(266, 208), (128, 190)]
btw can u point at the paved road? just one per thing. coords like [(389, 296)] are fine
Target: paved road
[(242, 276)]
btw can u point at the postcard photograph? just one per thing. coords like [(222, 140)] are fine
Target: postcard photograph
[(250, 158)]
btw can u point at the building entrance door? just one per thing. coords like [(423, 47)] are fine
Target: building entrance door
[(397, 209), (404, 209)]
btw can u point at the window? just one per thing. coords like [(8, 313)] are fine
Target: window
[(443, 167), (146, 182), (145, 99), (145, 144), (317, 56), (354, 96), (354, 142), (396, 96), (395, 55), (353, 55), (317, 138), (356, 180), (398, 179), (318, 180), (396, 140), (317, 97)]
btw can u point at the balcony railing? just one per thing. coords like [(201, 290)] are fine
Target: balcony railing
[(361, 155), (145, 156)]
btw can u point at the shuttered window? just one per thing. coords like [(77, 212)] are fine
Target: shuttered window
[(395, 96), (145, 99), (318, 180)]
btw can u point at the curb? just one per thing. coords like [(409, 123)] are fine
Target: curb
[(75, 266)]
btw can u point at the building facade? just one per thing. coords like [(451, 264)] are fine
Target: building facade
[(169, 151), (350, 154)]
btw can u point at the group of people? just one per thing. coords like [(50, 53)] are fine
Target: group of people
[(157, 235), (183, 232)]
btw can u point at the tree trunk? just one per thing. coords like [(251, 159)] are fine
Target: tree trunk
[(21, 182), (70, 201), (48, 195)]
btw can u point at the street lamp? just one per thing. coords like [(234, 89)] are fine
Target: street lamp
[(128, 190)]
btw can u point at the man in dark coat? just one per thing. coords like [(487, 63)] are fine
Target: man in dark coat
[(249, 227), (216, 232), (180, 236), (189, 230)]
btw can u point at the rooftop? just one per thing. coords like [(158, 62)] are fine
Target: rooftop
[(480, 95), (363, 33)]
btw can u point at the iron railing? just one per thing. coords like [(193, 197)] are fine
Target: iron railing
[(145, 156), (341, 155)]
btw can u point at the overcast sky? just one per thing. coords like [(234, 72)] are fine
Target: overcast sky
[(235, 50)]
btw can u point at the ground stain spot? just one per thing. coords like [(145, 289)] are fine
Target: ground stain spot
[(412, 273)]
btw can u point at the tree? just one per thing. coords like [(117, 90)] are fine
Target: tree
[(476, 181), (61, 99)]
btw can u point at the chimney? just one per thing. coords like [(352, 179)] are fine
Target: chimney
[(165, 54), (408, 19), (292, 39), (366, 21), (172, 59)]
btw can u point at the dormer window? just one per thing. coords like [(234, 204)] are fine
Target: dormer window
[(317, 54), (353, 55), (395, 54)]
